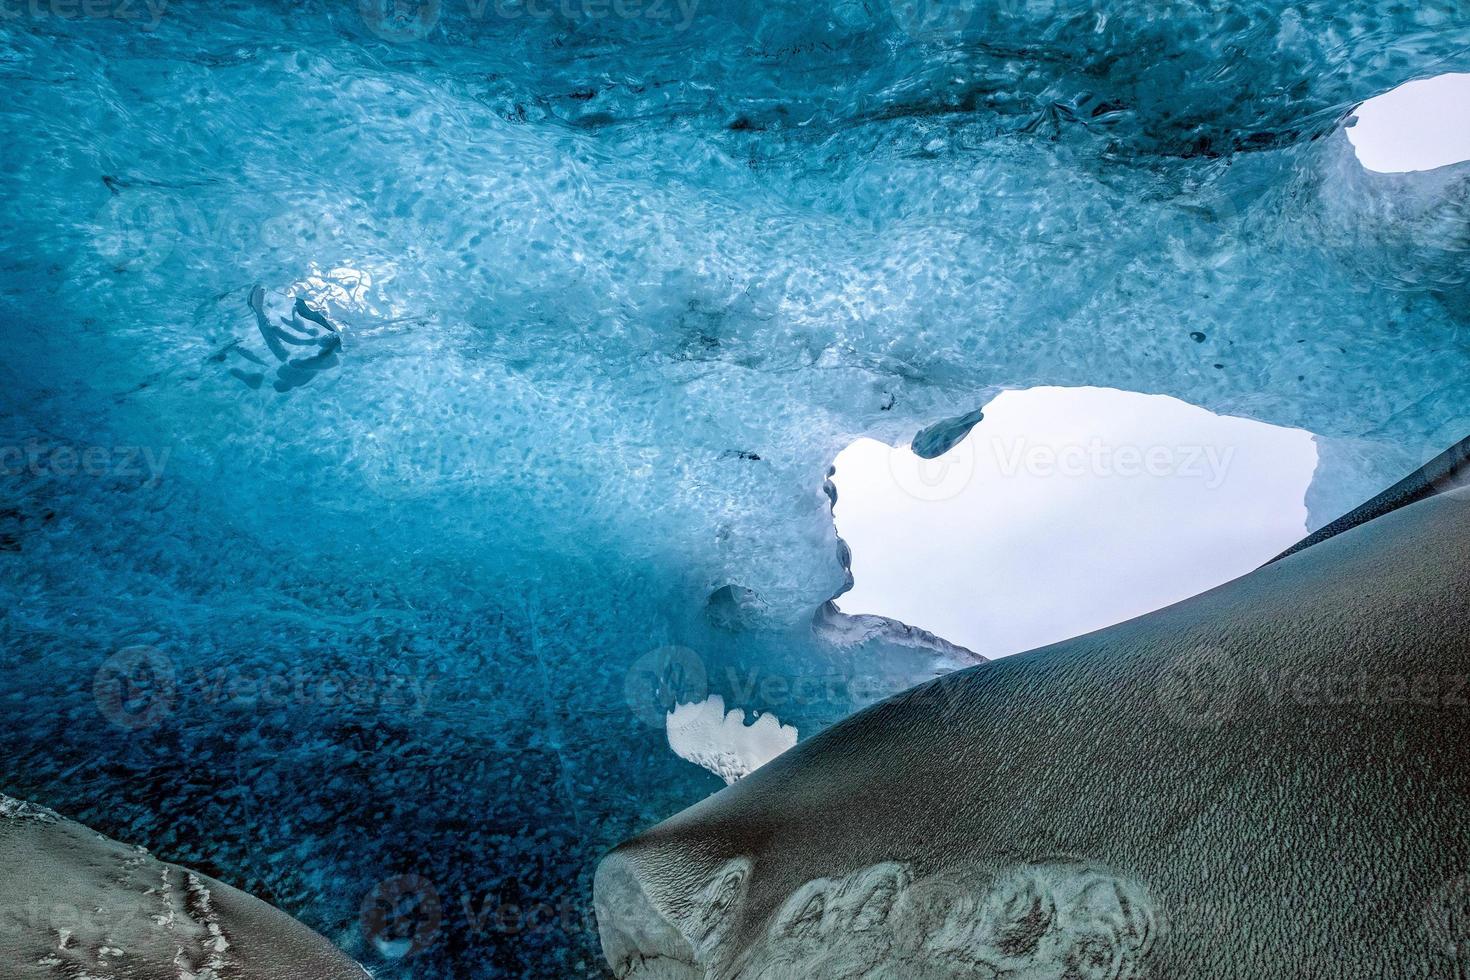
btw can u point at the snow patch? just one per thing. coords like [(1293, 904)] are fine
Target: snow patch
[(706, 735)]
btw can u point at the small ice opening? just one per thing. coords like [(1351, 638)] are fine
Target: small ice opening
[(1065, 510), (1420, 125)]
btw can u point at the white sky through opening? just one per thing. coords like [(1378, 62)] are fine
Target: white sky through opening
[(1066, 510), (1420, 125)]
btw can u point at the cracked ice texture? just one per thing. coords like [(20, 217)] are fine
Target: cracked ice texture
[(613, 297)]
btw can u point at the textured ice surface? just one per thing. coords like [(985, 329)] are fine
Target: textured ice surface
[(1040, 920), (611, 296), (1063, 511)]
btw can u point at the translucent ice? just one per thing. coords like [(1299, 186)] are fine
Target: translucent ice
[(611, 292)]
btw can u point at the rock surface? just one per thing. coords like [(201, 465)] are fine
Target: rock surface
[(1267, 780), (75, 904)]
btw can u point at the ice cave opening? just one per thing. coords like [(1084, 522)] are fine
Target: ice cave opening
[(1420, 125), (1065, 510)]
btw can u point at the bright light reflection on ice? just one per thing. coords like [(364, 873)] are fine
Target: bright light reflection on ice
[(1066, 510), (1418, 126)]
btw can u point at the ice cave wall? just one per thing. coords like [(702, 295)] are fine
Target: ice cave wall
[(614, 296), (611, 315)]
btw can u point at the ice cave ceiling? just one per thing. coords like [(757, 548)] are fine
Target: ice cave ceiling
[(614, 291)]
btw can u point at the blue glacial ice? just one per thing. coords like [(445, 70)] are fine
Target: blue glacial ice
[(405, 406)]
